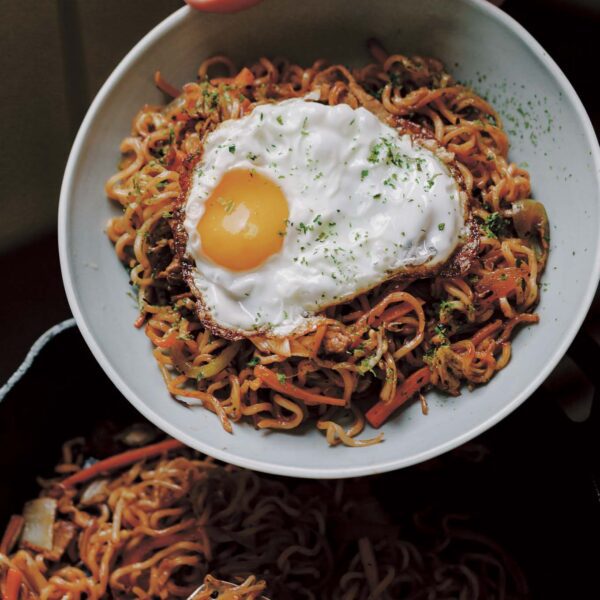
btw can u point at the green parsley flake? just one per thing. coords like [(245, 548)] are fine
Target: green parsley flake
[(430, 354), (390, 181), (441, 330), (494, 225), (374, 155), (445, 306), (304, 131), (431, 181)]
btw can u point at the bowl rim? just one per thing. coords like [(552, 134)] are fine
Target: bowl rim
[(264, 465)]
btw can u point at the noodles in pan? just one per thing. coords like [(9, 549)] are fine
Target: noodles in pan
[(384, 347), (158, 521)]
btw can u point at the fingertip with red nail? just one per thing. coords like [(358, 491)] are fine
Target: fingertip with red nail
[(222, 6)]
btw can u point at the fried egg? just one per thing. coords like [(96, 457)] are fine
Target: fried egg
[(300, 205)]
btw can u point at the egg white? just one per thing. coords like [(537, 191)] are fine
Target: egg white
[(365, 203)]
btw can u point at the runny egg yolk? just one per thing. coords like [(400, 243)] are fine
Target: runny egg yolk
[(244, 220)]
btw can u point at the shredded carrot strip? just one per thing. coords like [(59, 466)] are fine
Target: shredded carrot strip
[(11, 533), (244, 77), (121, 460), (13, 584), (378, 414), (270, 379), (485, 332), (165, 86)]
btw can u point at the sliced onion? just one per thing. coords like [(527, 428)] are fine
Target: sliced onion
[(366, 364), (273, 346), (531, 221), (213, 367), (314, 95), (139, 434), (64, 532), (38, 531), (96, 492)]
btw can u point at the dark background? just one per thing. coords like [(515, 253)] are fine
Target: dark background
[(536, 492)]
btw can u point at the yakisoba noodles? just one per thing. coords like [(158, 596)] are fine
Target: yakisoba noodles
[(381, 349), (161, 525), (249, 589)]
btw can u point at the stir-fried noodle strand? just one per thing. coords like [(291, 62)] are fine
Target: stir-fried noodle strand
[(161, 526)]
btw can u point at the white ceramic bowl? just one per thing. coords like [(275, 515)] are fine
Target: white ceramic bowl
[(479, 44)]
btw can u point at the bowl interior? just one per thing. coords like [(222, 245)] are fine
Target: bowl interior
[(548, 129)]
